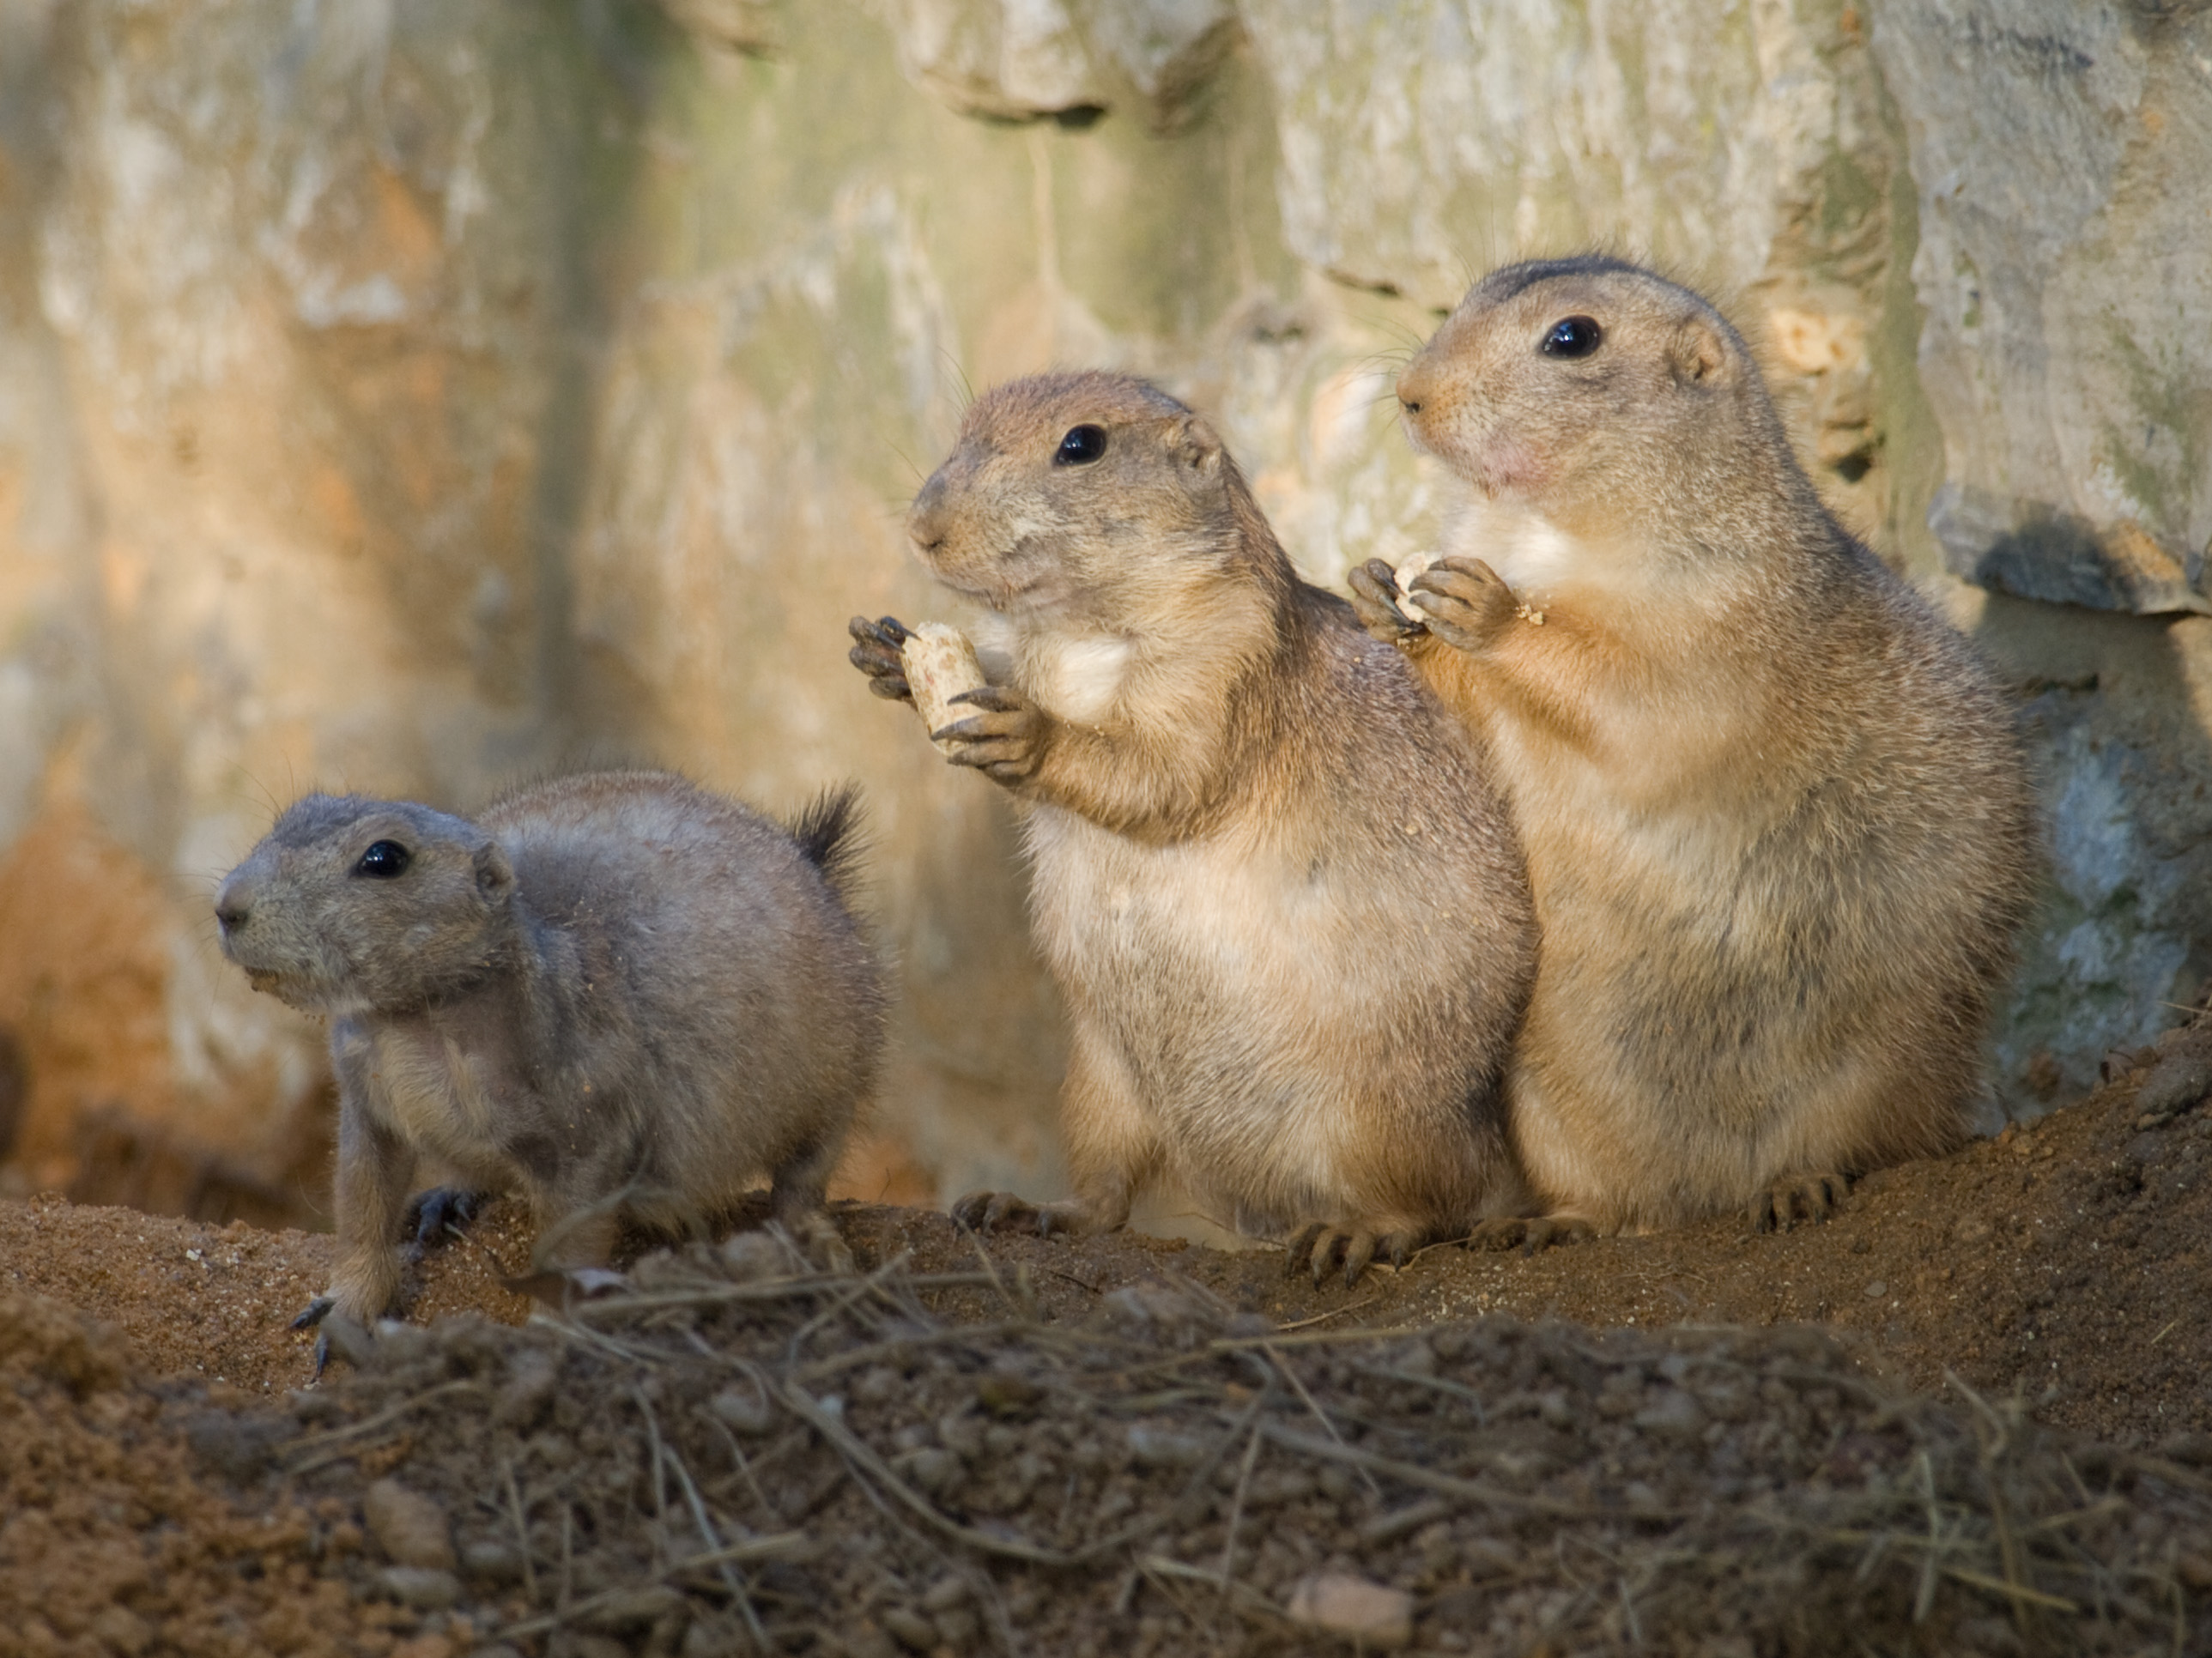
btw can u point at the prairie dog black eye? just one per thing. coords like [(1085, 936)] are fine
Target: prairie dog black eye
[(1572, 336), (1082, 445), (385, 860)]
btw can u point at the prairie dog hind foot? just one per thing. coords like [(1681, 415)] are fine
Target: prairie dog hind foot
[(436, 1216), (1002, 1212), (1321, 1245), (1530, 1233), (1798, 1200)]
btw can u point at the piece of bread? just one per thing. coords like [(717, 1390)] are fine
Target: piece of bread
[(1405, 573), (940, 664)]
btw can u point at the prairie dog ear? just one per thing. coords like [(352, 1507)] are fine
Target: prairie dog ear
[(1696, 354), (495, 875), (1192, 442)]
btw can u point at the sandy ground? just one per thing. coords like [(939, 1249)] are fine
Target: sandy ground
[(2064, 1270)]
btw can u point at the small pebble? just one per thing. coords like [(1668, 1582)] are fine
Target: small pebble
[(410, 1528), (2174, 1084), (910, 1629), (1158, 1447), (742, 1410), (946, 1592), (1374, 1614), (1876, 1290), (1674, 1414), (121, 1629), (423, 1588)]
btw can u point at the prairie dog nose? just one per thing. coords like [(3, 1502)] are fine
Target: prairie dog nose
[(232, 910), (924, 519), (1416, 386)]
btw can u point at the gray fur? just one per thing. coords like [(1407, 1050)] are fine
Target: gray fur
[(617, 993)]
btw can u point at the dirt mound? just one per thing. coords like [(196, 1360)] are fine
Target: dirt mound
[(948, 1446), (111, 1541), (736, 1455)]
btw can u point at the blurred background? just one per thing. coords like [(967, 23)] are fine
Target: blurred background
[(414, 396)]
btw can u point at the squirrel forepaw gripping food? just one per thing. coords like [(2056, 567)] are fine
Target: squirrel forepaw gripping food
[(1464, 602), (878, 651)]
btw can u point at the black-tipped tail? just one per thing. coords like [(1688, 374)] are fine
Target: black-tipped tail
[(830, 836)]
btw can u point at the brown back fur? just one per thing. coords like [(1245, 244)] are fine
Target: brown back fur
[(1775, 812), (1270, 873)]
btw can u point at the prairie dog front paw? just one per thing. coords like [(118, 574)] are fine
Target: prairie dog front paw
[(1465, 602)]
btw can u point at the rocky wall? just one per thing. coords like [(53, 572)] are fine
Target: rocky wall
[(414, 395)]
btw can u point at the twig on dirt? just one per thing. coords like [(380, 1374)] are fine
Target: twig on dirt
[(521, 1527), (731, 1578), (744, 1468), (1282, 1366), (769, 1289), (779, 1546), (1435, 1383), (991, 1267), (2016, 1593), (568, 1557), (858, 1454), (660, 1485), (1236, 1504), (845, 1301), (897, 1347), (1478, 1491), (1190, 1504), (1924, 1599), (1323, 1318), (1150, 1564), (383, 1418), (1313, 1338)]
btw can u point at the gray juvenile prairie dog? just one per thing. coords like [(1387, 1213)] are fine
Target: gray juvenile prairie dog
[(615, 992), (1774, 809), (1281, 899)]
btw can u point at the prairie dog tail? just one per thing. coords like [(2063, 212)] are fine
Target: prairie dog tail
[(830, 831)]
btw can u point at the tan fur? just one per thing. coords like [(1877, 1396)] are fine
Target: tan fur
[(1270, 876), (1775, 812), (617, 993)]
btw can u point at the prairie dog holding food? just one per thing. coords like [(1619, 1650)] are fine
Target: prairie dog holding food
[(1282, 900), (615, 992), (1775, 810)]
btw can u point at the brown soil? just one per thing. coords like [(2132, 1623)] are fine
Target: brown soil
[(2063, 1274)]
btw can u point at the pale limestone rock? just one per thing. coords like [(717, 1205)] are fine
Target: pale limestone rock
[(744, 26), (2065, 261), (1420, 151), (1019, 58), (407, 396)]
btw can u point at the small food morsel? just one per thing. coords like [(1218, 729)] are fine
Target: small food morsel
[(939, 665), (1405, 573)]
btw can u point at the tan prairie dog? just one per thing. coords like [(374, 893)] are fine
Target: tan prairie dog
[(1774, 809), (615, 992), (1282, 900)]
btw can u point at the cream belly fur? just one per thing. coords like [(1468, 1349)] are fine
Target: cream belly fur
[(1274, 883), (1774, 815), (1251, 1099)]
